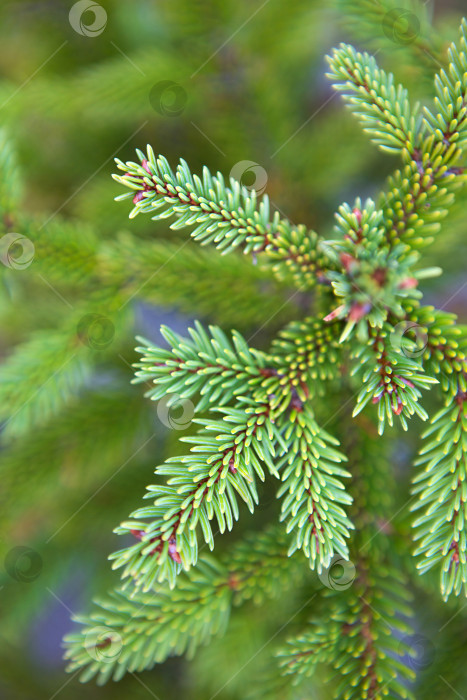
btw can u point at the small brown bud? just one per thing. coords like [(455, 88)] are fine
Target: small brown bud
[(138, 197)]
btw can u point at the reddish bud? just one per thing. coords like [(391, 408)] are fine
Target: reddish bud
[(455, 552), (379, 276), (348, 261), (145, 165), (138, 197), (358, 215), (138, 534), (233, 582), (408, 283), (334, 314), (173, 554), (232, 466), (398, 409)]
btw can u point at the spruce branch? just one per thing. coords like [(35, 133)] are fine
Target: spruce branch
[(382, 107), (449, 122), (420, 195), (442, 498), (223, 464), (127, 633), (441, 344), (211, 365), (370, 278), (263, 405), (390, 379), (313, 493), (39, 378), (307, 355), (362, 635), (228, 217)]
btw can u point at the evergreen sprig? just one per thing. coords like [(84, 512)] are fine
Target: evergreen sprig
[(363, 636), (132, 632), (390, 379), (449, 121), (227, 217), (382, 107), (440, 530), (223, 464), (365, 329), (312, 492)]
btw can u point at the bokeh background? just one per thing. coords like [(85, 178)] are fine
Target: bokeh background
[(239, 86)]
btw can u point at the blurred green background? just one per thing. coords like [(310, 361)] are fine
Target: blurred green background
[(241, 87)]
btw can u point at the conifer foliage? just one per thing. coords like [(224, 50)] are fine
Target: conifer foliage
[(261, 413)]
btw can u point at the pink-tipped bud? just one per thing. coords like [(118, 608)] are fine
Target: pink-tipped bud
[(173, 554), (358, 215), (145, 165), (409, 283), (335, 313)]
